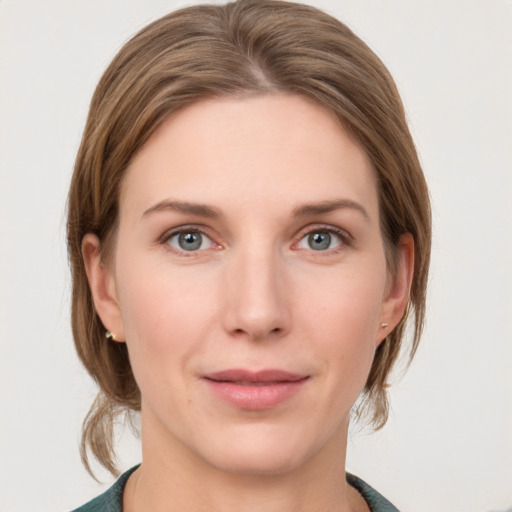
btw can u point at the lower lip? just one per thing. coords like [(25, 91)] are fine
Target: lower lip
[(256, 397)]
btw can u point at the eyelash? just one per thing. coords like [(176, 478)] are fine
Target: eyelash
[(168, 235), (345, 239)]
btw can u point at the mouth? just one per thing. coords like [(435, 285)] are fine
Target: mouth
[(254, 391)]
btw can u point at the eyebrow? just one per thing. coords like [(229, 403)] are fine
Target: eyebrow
[(329, 206), (202, 210)]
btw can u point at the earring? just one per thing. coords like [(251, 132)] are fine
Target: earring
[(110, 336), (384, 324)]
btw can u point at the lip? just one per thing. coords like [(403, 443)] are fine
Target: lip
[(255, 391)]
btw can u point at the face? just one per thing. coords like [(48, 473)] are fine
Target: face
[(249, 282)]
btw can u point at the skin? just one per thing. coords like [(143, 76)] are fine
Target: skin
[(257, 294)]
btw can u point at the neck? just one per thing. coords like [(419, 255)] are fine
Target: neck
[(172, 478)]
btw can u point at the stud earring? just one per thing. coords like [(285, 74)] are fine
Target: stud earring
[(110, 336), (384, 324)]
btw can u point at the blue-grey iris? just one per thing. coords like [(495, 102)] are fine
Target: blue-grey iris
[(190, 241), (319, 241)]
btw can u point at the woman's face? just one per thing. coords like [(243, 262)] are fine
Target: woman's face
[(249, 282)]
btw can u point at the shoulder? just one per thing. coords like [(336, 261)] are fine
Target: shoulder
[(375, 501), (111, 500)]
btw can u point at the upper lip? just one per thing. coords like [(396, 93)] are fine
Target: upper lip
[(261, 376)]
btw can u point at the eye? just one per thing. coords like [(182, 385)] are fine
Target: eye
[(321, 240), (189, 241)]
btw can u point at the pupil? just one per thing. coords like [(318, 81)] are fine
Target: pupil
[(319, 241), (189, 241)]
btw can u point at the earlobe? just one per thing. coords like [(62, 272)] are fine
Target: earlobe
[(395, 303), (102, 286)]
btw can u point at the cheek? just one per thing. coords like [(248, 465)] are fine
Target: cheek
[(165, 314), (166, 323), (342, 316), (346, 301)]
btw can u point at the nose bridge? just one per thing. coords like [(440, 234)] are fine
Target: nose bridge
[(256, 302)]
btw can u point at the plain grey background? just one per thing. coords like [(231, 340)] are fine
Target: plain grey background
[(448, 444)]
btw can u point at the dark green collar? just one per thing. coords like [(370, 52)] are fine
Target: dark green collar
[(112, 499)]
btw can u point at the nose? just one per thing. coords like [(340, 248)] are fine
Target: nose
[(257, 302)]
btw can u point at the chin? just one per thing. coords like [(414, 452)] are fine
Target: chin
[(258, 463), (263, 453)]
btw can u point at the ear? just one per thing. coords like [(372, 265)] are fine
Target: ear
[(396, 296), (102, 285)]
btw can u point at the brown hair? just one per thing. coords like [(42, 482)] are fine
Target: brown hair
[(243, 48)]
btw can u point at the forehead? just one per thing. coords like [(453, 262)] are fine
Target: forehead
[(250, 150)]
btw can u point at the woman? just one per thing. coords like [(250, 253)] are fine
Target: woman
[(248, 227)]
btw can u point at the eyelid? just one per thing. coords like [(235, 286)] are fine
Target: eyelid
[(344, 235), (187, 228), (346, 238)]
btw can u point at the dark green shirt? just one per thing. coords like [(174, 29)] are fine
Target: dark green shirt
[(112, 499)]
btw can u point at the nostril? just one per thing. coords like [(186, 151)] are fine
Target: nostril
[(258, 334)]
